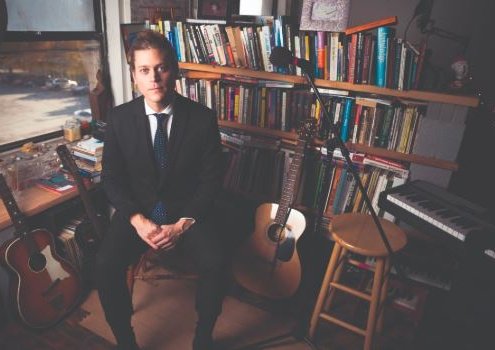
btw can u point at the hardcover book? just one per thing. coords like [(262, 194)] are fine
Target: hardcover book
[(57, 183)]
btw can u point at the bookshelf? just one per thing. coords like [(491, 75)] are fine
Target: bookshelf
[(381, 152), (206, 71)]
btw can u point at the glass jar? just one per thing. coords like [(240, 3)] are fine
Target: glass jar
[(72, 130)]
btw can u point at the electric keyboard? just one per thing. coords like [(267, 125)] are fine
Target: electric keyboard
[(418, 274), (457, 222)]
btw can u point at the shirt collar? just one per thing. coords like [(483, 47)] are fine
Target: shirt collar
[(167, 110)]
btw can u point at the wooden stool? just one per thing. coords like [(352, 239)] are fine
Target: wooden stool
[(140, 269), (358, 234)]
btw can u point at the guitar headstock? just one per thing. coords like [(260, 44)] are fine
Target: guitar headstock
[(307, 129), (67, 160)]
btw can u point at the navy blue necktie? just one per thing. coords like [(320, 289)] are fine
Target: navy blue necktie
[(159, 212)]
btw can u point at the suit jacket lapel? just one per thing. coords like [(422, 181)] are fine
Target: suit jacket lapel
[(179, 126), (143, 138)]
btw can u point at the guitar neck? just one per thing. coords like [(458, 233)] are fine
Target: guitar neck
[(17, 217), (288, 190), (71, 166)]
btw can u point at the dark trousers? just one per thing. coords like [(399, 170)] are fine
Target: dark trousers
[(122, 246)]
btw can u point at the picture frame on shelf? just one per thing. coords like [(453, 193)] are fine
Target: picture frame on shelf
[(214, 9), (129, 32), (325, 15)]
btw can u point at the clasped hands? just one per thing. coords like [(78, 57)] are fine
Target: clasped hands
[(158, 236)]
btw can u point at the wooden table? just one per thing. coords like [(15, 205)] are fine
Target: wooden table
[(33, 201)]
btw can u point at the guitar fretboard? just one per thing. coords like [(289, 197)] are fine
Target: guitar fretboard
[(290, 183), (18, 219)]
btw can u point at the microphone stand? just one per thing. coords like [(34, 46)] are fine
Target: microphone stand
[(337, 142)]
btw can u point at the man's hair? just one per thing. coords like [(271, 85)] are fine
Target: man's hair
[(149, 39)]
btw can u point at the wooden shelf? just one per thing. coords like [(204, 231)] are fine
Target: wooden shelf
[(218, 72), (292, 136), (278, 134), (410, 158)]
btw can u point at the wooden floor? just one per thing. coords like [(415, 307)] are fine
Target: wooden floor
[(66, 335), (71, 335), (240, 323)]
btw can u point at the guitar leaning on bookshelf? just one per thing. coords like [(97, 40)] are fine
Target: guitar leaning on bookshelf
[(268, 264), (88, 234), (44, 286)]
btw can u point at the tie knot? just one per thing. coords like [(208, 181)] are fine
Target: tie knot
[(161, 118)]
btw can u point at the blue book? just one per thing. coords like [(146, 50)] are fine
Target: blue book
[(346, 120), (382, 41), (177, 45)]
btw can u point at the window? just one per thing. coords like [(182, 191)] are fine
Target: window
[(49, 58)]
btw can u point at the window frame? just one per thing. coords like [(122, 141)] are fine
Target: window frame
[(21, 36)]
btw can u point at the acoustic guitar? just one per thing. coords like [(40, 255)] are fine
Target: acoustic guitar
[(44, 286), (268, 264), (88, 234)]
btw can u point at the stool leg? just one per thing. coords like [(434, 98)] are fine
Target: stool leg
[(383, 295), (336, 277), (324, 287), (375, 298), (131, 271)]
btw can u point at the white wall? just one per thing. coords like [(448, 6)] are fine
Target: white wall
[(457, 16), (118, 11)]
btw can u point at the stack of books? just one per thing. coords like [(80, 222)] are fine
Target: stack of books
[(70, 248), (88, 156)]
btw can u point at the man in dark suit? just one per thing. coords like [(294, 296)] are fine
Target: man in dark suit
[(161, 172)]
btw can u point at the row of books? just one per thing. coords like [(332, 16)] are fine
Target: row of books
[(246, 46), (374, 57), (368, 121), (261, 172), (342, 194)]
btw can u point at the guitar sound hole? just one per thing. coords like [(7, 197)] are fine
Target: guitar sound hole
[(275, 232), (37, 262)]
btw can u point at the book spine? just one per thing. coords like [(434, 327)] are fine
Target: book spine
[(356, 123), (180, 33), (359, 58), (352, 46), (233, 46), (419, 68), (320, 53), (381, 57), (346, 121), (219, 44), (334, 55), (366, 59)]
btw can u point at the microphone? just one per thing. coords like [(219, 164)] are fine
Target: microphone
[(281, 56)]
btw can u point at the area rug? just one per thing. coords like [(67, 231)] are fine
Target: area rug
[(165, 318)]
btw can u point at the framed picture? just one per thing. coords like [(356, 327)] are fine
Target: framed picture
[(214, 9), (129, 32), (325, 15)]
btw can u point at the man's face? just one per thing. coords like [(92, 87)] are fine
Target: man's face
[(154, 77)]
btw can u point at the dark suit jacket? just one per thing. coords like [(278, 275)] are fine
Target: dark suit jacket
[(193, 175)]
